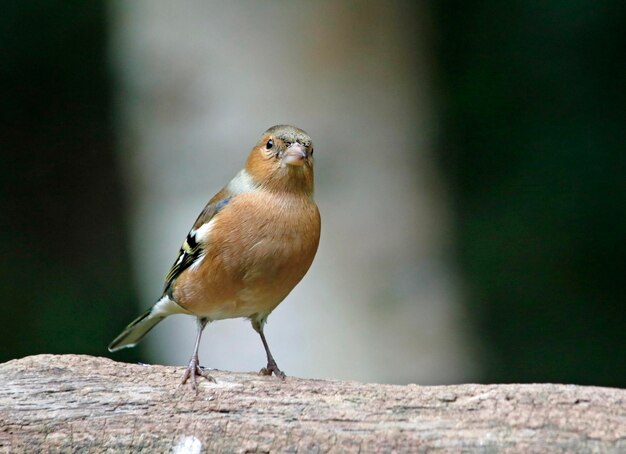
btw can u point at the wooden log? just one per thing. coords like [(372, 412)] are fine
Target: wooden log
[(74, 403)]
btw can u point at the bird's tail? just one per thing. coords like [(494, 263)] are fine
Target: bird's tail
[(139, 327)]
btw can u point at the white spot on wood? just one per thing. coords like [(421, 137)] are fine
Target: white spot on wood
[(188, 445)]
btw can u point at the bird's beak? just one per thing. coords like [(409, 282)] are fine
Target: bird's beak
[(295, 155)]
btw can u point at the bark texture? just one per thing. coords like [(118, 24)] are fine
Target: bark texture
[(74, 403)]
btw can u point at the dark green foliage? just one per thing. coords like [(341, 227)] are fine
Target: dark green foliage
[(534, 145), (64, 266)]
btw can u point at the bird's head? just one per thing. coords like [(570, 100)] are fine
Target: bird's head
[(283, 160)]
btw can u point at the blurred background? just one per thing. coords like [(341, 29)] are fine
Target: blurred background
[(470, 163)]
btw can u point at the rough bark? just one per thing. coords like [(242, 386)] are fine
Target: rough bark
[(86, 404)]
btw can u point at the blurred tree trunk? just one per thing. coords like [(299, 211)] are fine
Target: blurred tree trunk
[(199, 83)]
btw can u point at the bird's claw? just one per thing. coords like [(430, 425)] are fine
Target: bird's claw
[(194, 370), (272, 368)]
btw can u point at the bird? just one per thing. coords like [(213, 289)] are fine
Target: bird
[(250, 246)]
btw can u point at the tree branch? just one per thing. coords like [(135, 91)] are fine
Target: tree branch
[(81, 403)]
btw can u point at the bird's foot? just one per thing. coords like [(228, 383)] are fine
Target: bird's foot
[(272, 368), (194, 370)]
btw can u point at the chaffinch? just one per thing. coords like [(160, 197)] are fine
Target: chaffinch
[(250, 246)]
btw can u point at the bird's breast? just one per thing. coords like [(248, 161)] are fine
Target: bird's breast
[(260, 246)]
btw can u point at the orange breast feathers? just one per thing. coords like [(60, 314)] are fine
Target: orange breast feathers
[(255, 252)]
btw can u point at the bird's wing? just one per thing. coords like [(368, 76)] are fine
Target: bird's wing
[(192, 247)]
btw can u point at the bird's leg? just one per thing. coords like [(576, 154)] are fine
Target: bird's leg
[(271, 364), (193, 369)]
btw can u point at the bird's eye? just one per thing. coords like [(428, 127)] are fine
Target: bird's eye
[(269, 144)]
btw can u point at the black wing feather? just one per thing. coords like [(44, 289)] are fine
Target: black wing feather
[(192, 249)]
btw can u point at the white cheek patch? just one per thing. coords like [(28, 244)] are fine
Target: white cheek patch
[(241, 183)]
